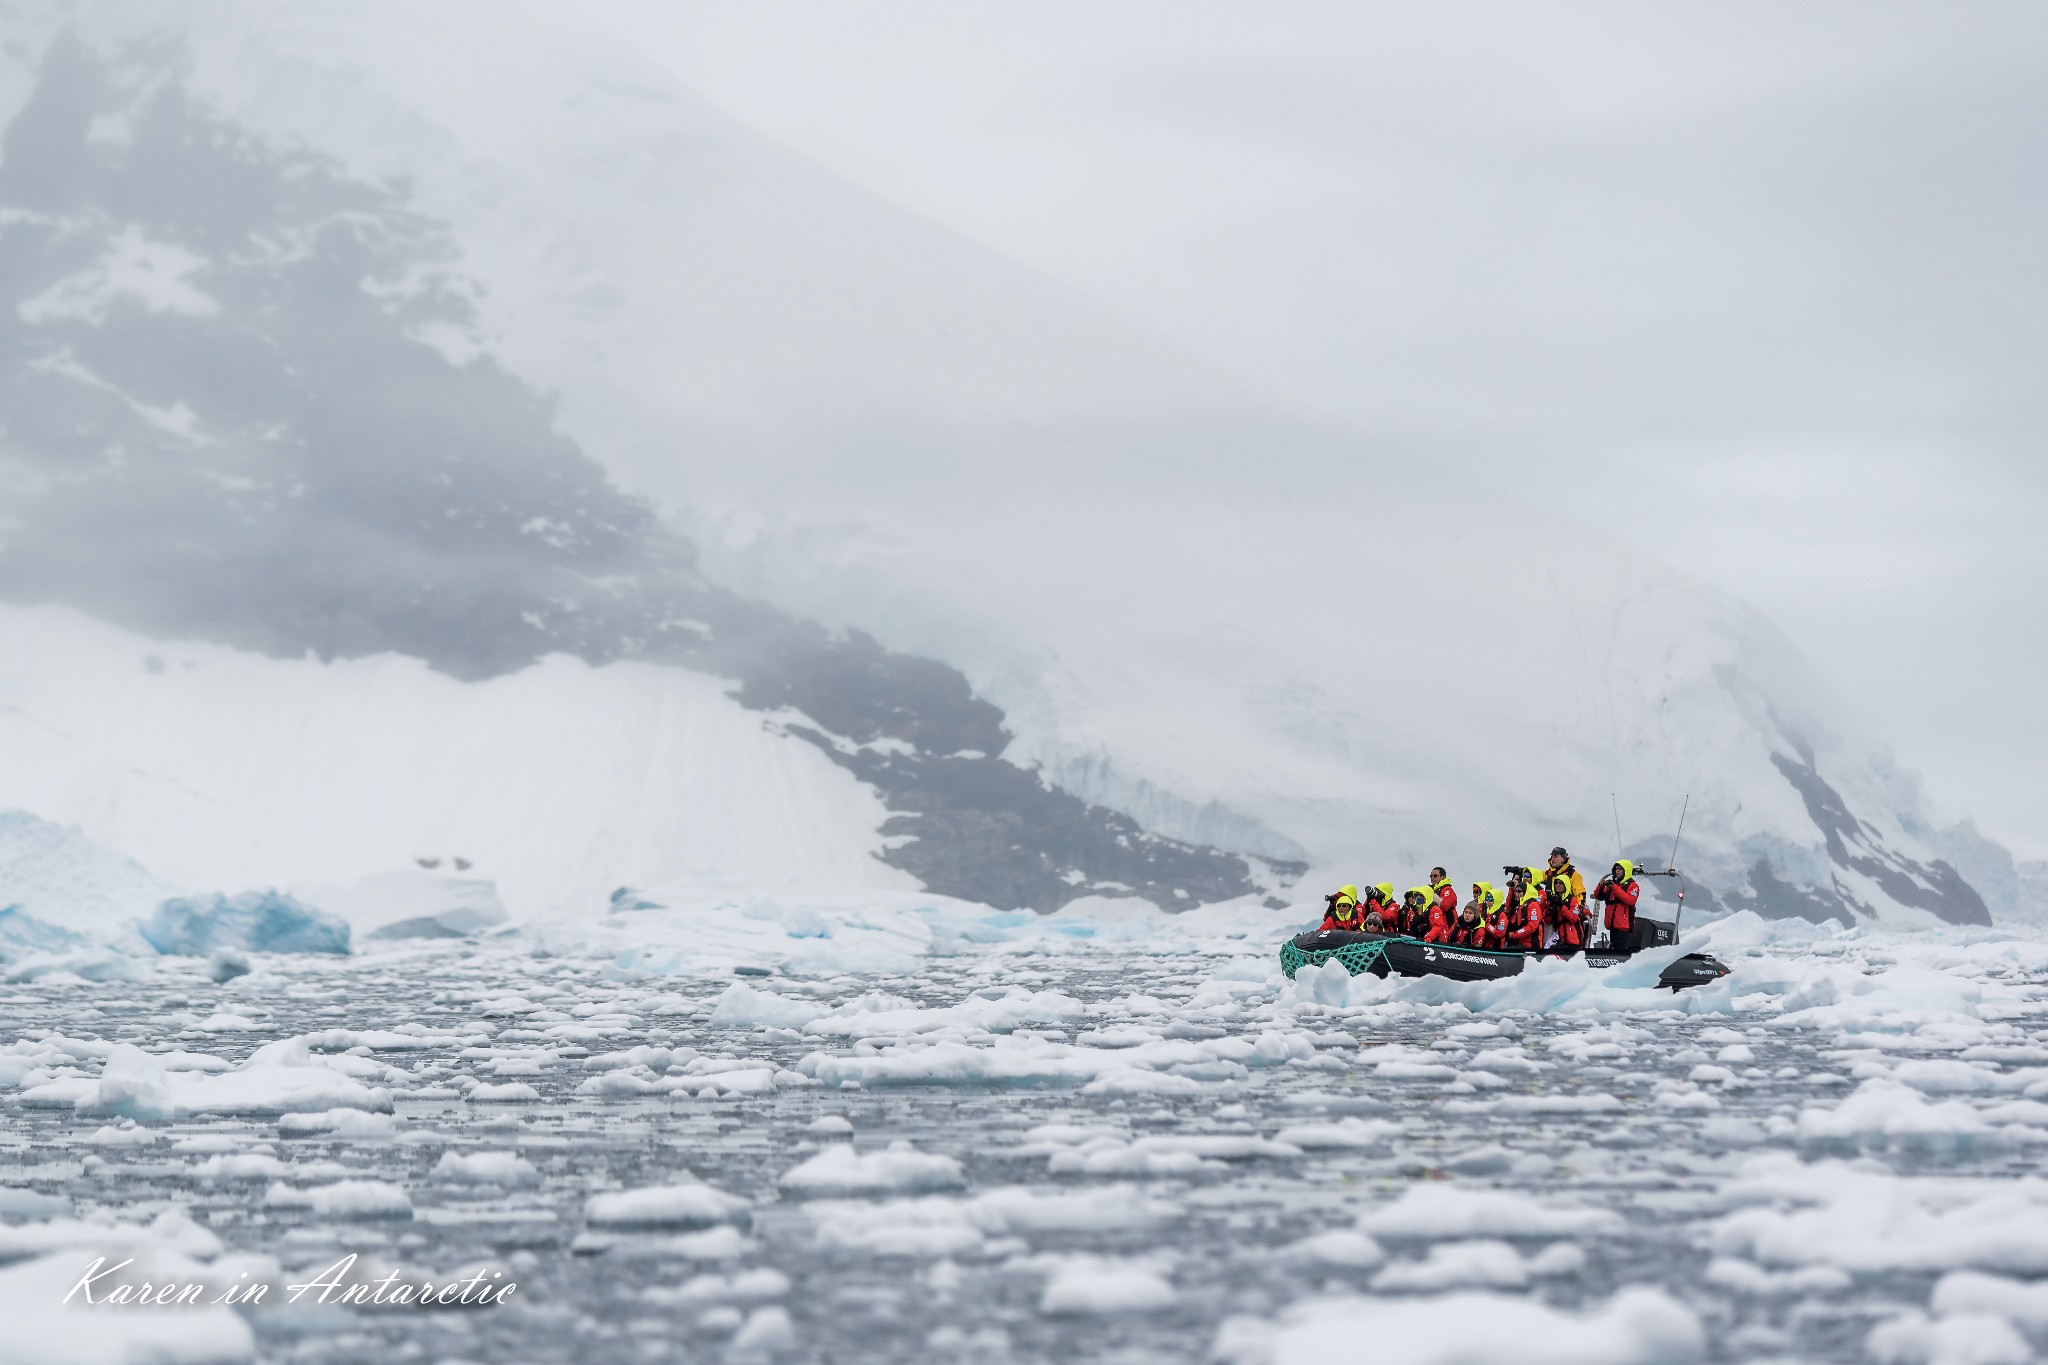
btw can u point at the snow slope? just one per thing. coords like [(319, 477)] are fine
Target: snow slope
[(1384, 691), (224, 770), (866, 421)]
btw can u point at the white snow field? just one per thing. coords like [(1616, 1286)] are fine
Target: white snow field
[(221, 770), (925, 1133)]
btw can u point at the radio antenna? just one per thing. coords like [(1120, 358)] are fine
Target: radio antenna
[(1615, 801), (1681, 830)]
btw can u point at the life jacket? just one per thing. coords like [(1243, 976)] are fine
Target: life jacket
[(1493, 916), (1344, 911), (1562, 913), (1577, 894), (1525, 921), (1415, 911), (1531, 883), (1446, 897), (1440, 926)]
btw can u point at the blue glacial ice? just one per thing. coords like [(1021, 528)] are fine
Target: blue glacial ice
[(258, 921)]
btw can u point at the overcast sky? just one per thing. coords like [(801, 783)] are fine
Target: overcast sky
[(1760, 287)]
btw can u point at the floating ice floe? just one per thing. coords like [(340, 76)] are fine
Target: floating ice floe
[(263, 1165), (1339, 1248), (1967, 1291), (1886, 1114), (1441, 1211), (940, 1225), (746, 1286), (1636, 1327), (1965, 1339), (343, 1199), (44, 1329), (1166, 1154), (1171, 1064), (485, 1168), (683, 1204), (411, 903), (899, 1169), (1345, 1134), (1097, 1286), (507, 1092), (1478, 1264), (1863, 1220), (279, 1078)]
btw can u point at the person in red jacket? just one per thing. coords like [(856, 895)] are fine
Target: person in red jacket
[(1470, 930), (1343, 910), (1619, 890), (1446, 894), (1408, 915), (1441, 923), (1567, 935), (1496, 913), (1524, 915), (1485, 919)]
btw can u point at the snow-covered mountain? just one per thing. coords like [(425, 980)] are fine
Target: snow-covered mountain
[(874, 559)]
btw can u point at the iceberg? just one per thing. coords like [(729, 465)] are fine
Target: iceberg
[(259, 921)]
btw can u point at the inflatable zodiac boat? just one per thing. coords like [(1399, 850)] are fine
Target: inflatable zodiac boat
[(1381, 954)]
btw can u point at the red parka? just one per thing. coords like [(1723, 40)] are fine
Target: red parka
[(1439, 925), (1621, 897), (1564, 918), (1414, 920), (1526, 928)]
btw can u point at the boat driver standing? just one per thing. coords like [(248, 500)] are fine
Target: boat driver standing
[(1619, 889)]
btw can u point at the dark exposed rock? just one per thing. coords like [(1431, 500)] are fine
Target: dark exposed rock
[(1851, 843)]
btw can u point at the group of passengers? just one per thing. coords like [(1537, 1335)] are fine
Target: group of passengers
[(1545, 911)]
